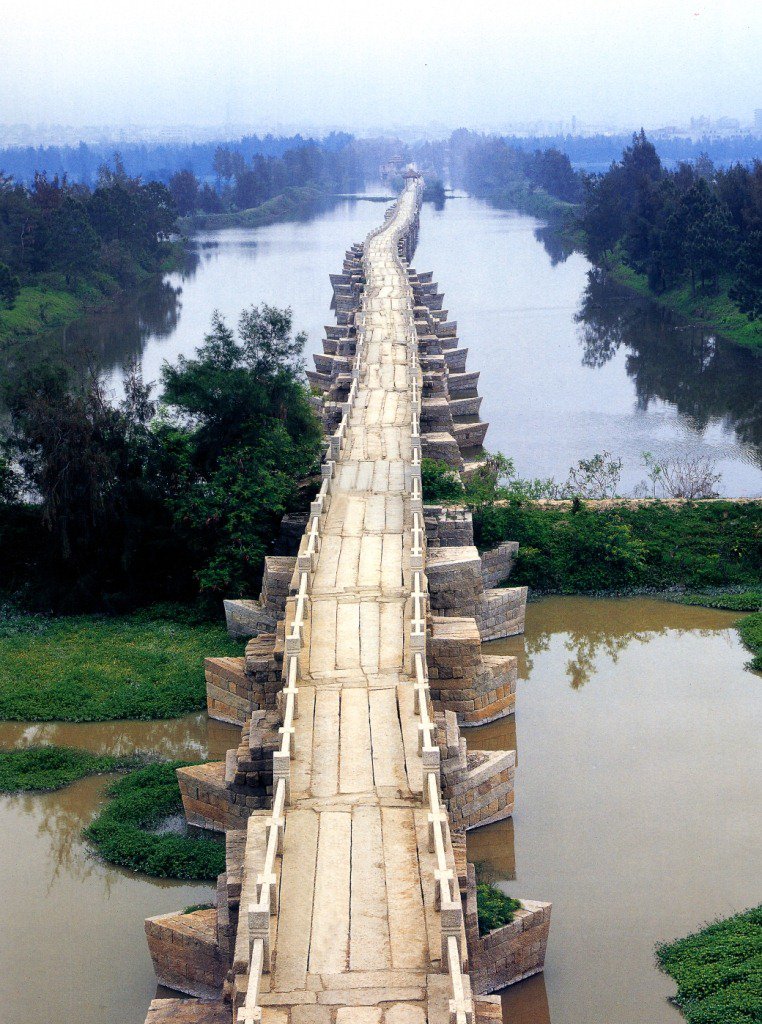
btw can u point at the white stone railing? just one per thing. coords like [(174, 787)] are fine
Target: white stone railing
[(259, 912), (447, 894)]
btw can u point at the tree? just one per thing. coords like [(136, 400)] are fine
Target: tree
[(10, 286), (183, 185), (71, 240), (707, 233), (746, 290), (243, 435)]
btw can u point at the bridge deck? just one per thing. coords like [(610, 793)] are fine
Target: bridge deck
[(357, 934)]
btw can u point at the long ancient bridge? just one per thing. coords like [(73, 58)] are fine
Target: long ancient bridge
[(347, 897)]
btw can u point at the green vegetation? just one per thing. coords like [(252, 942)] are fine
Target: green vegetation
[(750, 629), (292, 204), (198, 906), (718, 971), (716, 310), (577, 548), (48, 768), (747, 601), (143, 502), (89, 668), (64, 248), (494, 908), (653, 546), (691, 237), (125, 830)]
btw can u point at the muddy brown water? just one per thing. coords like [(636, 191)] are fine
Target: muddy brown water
[(637, 797), (637, 814), (72, 945)]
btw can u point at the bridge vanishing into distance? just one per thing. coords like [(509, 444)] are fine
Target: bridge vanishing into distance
[(347, 896)]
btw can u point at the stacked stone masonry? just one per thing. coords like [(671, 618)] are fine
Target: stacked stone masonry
[(355, 935)]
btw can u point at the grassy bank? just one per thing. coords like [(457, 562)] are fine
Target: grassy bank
[(50, 303), (94, 668), (124, 832), (42, 769), (289, 205), (652, 546), (717, 971), (717, 311)]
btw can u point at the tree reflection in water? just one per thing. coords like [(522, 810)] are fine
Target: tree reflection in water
[(702, 376), (111, 337)]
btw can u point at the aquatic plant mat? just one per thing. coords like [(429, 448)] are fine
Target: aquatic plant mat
[(97, 668), (47, 768), (123, 832), (718, 971)]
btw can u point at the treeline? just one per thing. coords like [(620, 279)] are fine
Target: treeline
[(62, 232), (697, 224), (596, 152), (240, 184), (155, 161), (496, 169), (106, 507)]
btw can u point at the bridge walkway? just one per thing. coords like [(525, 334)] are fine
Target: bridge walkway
[(357, 931)]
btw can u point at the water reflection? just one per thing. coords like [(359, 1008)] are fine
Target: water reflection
[(591, 630), (642, 383), (116, 336), (637, 810), (686, 366), (191, 738), (71, 927)]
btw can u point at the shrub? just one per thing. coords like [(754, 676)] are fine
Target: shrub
[(123, 835), (718, 970), (583, 549), (750, 629), (494, 908), (440, 482)]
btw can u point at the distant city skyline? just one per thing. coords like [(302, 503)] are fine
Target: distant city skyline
[(368, 68)]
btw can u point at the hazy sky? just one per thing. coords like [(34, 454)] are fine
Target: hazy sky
[(365, 63)]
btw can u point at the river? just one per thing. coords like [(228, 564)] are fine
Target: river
[(637, 797), (638, 726), (568, 369), (637, 815)]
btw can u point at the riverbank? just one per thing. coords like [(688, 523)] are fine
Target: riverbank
[(648, 546), (49, 303), (716, 312), (536, 202), (292, 204)]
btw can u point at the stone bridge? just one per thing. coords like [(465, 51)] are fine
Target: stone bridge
[(347, 897)]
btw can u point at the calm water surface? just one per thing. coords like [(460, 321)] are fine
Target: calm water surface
[(72, 943), (568, 368), (637, 811)]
